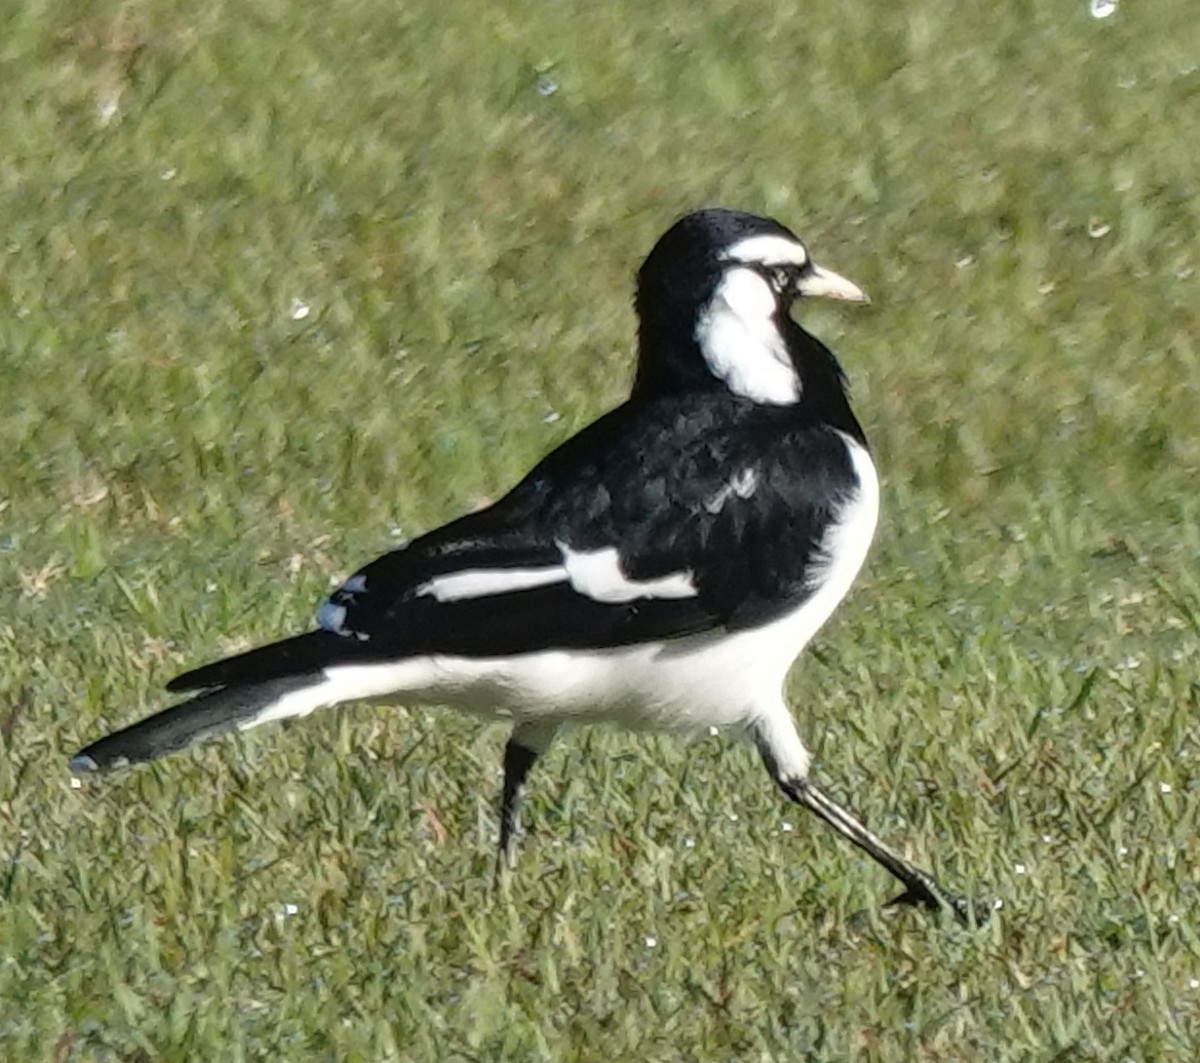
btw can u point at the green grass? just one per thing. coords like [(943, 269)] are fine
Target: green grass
[(186, 464)]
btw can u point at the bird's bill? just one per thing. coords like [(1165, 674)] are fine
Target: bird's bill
[(819, 281)]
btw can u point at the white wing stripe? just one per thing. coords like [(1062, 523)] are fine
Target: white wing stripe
[(597, 575), (484, 582)]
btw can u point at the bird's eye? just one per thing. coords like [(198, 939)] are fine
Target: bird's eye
[(781, 278)]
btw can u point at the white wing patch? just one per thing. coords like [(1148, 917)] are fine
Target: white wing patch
[(741, 343), (483, 582), (768, 251), (741, 485), (597, 575)]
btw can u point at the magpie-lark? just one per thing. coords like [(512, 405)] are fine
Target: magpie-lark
[(662, 569)]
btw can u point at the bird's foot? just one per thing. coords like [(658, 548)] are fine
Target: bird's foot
[(926, 895)]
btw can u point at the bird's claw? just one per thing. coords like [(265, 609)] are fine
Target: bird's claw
[(920, 895)]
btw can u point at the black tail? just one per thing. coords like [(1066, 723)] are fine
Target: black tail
[(298, 656), (206, 716)]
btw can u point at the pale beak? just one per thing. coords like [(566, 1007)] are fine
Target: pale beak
[(818, 281)]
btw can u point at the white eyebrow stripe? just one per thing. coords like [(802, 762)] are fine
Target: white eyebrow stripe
[(768, 251), (597, 574), (484, 582)]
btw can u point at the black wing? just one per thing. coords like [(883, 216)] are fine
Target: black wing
[(733, 495), (710, 509)]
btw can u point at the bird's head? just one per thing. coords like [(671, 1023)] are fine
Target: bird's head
[(720, 284)]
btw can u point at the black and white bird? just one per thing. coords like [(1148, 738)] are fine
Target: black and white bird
[(662, 569)]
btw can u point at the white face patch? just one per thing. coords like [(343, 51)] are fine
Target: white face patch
[(768, 251), (597, 574), (740, 342), (483, 582)]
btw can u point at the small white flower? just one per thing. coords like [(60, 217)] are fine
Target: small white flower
[(552, 417), (1098, 228), (168, 174), (1102, 8), (1164, 787), (1019, 869), (299, 310), (786, 827), (651, 942), (1194, 983), (75, 783), (689, 842), (108, 108)]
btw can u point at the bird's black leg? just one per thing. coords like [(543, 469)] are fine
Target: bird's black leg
[(524, 746), (518, 759), (921, 888)]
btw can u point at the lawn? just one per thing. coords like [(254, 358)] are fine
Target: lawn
[(282, 283)]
